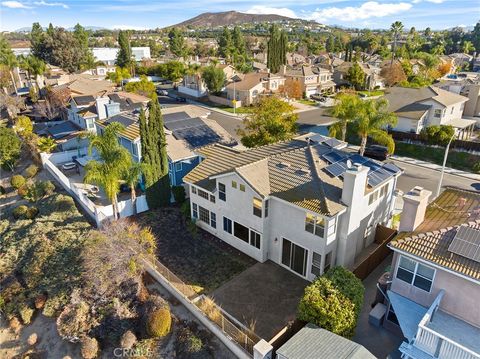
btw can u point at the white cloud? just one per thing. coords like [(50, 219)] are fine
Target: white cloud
[(265, 10), (128, 27), (365, 11), (15, 5), (44, 3)]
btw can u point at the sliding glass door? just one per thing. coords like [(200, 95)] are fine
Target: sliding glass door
[(294, 257)]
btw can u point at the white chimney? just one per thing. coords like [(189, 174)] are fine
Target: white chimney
[(354, 182), (100, 103), (415, 204)]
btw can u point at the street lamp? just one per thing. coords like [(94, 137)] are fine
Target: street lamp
[(443, 165)]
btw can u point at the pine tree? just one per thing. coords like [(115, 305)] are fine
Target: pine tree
[(176, 42), (225, 44), (124, 56), (330, 45), (154, 155)]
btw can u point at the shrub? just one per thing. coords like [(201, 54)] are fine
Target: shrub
[(26, 314), (128, 340), (48, 188), (73, 322), (325, 306), (17, 181), (23, 191), (476, 167), (40, 301), (185, 209), (31, 213), (89, 348), (31, 171), (348, 284), (159, 323), (34, 192), (210, 308), (20, 211), (194, 344), (179, 194)]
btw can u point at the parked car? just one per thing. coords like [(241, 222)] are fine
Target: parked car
[(181, 99), (377, 152), (162, 92)]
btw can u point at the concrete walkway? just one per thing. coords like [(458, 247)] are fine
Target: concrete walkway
[(379, 341)]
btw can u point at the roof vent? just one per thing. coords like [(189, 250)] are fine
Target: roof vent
[(283, 164), (302, 172), (416, 191)]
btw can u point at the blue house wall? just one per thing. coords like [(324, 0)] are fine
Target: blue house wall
[(178, 169)]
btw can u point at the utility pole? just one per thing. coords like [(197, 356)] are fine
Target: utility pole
[(443, 166)]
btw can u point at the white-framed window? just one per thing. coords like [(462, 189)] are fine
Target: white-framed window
[(266, 208), (314, 224), (257, 207), (221, 192), (255, 238), (227, 225), (204, 215), (213, 220), (234, 184), (203, 194), (316, 264), (178, 166), (437, 113), (242, 187), (212, 198), (194, 190), (194, 210), (328, 262), (415, 273)]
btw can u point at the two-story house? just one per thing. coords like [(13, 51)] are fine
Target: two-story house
[(252, 85), (194, 85), (428, 106), (313, 80), (302, 203), (435, 278)]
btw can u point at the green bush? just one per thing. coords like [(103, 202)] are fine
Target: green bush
[(48, 188), (31, 213), (179, 194), (20, 211), (194, 344), (476, 167), (159, 323), (26, 314), (348, 284), (185, 209), (325, 306), (23, 191), (31, 171), (17, 181), (438, 135)]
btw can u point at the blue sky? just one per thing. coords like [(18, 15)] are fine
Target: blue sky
[(140, 14)]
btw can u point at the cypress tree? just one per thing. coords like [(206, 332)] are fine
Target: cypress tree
[(124, 56), (154, 155), (277, 49)]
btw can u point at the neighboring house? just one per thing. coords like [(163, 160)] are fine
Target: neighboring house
[(461, 60), (435, 288), (313, 342), (427, 106), (252, 85), (300, 203), (193, 84), (65, 133), (372, 78), (466, 84), (313, 80), (80, 84), (294, 59), (476, 64), (186, 129), (108, 55)]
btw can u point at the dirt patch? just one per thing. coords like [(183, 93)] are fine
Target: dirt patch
[(200, 260)]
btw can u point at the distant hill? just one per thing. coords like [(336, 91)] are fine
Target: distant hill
[(92, 28), (215, 19)]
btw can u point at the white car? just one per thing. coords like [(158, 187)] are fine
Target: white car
[(162, 92)]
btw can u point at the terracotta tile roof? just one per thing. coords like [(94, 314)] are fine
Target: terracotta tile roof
[(431, 239)]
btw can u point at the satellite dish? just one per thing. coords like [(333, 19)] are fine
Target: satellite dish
[(349, 164)]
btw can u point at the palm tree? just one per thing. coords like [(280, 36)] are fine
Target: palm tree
[(132, 177), (467, 47), (372, 120), (8, 58), (115, 161), (396, 28), (46, 144), (345, 110), (430, 62), (33, 65)]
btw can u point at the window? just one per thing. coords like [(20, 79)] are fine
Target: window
[(212, 198), (203, 194), (255, 239), (242, 187), (178, 166), (240, 232), (234, 184), (316, 264), (221, 192), (453, 108), (194, 190), (257, 207), (328, 262), (204, 215), (194, 210), (415, 273), (135, 149), (266, 208), (213, 220), (294, 257), (437, 113), (314, 224), (227, 225)]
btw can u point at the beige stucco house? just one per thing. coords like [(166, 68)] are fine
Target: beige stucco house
[(252, 85)]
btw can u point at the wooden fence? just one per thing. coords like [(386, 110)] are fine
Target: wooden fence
[(457, 144), (383, 236)]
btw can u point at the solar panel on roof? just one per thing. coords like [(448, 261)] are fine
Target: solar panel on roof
[(356, 158), (182, 124), (126, 121), (392, 168), (176, 116), (377, 177), (466, 243), (335, 156), (337, 169), (197, 136), (333, 142), (373, 165)]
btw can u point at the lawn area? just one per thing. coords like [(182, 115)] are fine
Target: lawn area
[(240, 110), (307, 102), (372, 93), (202, 261), (459, 160)]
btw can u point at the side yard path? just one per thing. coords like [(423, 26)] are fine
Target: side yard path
[(195, 256)]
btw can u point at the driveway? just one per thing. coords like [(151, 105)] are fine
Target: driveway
[(265, 295)]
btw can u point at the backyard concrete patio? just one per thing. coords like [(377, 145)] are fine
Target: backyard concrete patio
[(265, 295)]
